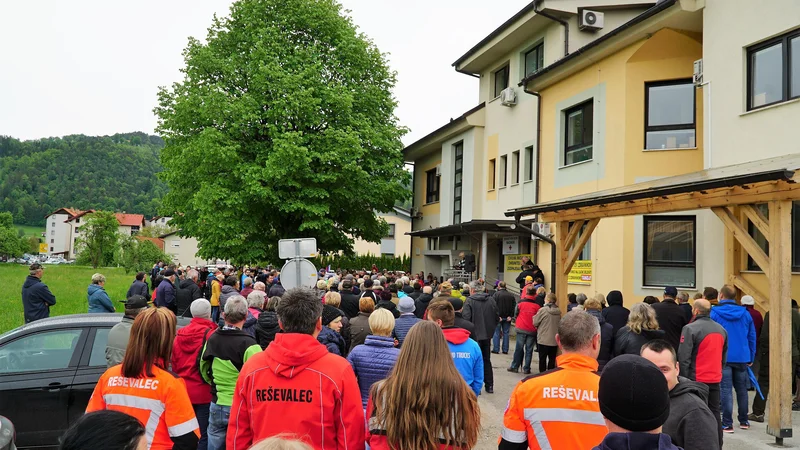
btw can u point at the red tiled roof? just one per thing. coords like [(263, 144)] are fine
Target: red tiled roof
[(130, 220), (79, 214), (71, 212), (159, 242)]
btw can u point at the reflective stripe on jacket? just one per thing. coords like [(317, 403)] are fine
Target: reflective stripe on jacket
[(557, 409)]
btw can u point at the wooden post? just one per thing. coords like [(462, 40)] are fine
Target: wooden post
[(732, 253), (562, 231), (779, 422)]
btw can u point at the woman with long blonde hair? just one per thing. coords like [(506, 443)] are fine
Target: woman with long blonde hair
[(424, 404), (642, 328), (143, 388)]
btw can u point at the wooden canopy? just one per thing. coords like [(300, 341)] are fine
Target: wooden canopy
[(732, 193)]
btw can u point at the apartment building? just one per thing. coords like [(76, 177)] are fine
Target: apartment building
[(396, 243), (57, 231)]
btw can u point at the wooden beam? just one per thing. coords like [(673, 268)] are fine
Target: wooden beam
[(744, 238), (573, 255), (756, 218), (779, 422), (561, 288), (573, 233), (733, 251), (749, 289), (739, 195)]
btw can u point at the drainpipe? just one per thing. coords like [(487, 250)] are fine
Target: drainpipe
[(537, 168), (563, 22), (518, 225)]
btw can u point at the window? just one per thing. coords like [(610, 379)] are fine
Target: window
[(503, 171), (78, 220), (176, 243), (669, 251), (586, 252), (52, 250), (458, 181), (52, 241), (764, 244), (49, 350), (52, 224), (134, 230), (390, 234), (52, 232), (578, 140), (500, 81), (98, 356), (534, 59), (515, 167), (431, 186), (773, 71), (528, 163), (387, 255), (492, 174), (670, 114)]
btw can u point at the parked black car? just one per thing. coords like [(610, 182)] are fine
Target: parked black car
[(48, 370)]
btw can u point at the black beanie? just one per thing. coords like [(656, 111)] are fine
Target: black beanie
[(329, 314), (634, 394)]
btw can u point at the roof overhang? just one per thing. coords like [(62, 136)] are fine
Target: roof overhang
[(748, 183), (675, 14), (475, 117), (471, 227)]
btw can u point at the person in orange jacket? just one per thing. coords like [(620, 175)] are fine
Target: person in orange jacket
[(559, 409), (296, 386)]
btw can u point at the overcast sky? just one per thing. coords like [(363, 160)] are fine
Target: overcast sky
[(93, 66)]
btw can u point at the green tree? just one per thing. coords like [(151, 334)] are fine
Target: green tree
[(283, 126), (99, 239), (135, 255), (10, 243), (155, 231)]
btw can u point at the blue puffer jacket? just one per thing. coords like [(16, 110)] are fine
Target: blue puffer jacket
[(99, 302), (332, 340), (403, 324), (738, 322), (372, 362)]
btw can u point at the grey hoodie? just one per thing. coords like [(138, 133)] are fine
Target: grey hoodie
[(691, 424), (546, 322)]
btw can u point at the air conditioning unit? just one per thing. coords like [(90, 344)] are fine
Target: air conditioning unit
[(415, 213), (697, 76), (589, 20), (438, 170), (508, 97), (542, 228)]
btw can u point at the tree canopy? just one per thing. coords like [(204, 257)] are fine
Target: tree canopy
[(99, 239), (283, 126), (115, 173), (11, 243)]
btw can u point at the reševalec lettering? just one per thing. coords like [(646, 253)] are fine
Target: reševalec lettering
[(284, 395)]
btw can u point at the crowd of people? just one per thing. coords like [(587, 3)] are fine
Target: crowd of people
[(262, 367)]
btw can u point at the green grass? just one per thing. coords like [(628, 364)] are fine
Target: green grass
[(68, 283), (31, 230)]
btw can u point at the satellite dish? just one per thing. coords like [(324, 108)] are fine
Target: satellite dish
[(298, 272)]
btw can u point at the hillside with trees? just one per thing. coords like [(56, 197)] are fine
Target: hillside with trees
[(113, 173)]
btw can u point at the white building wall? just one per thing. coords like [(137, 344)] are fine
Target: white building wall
[(57, 233)]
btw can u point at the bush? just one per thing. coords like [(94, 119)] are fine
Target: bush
[(359, 262)]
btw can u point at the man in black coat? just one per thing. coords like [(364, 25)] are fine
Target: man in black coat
[(187, 292), (670, 316), (350, 299), (481, 309), (506, 303), (36, 296), (421, 303), (417, 291), (615, 314)]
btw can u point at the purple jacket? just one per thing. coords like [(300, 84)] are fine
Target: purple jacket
[(372, 362)]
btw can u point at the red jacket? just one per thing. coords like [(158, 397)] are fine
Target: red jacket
[(188, 343), (526, 309), (295, 386)]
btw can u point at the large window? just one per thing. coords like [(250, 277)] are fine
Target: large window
[(500, 81), (458, 182), (390, 234), (515, 167), (670, 114), (529, 163), (669, 251), (773, 71), (578, 140), (764, 244), (503, 171), (534, 59), (431, 186)]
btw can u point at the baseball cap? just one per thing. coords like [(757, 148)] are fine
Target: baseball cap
[(35, 266), (136, 301), (528, 278), (748, 300), (671, 291)]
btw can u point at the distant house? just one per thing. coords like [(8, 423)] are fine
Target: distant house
[(58, 230), (182, 249), (396, 242), (161, 221), (157, 241), (130, 224)]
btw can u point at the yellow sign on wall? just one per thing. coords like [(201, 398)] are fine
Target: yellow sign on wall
[(42, 248), (514, 262), (581, 273)]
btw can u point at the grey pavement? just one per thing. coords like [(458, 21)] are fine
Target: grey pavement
[(493, 406)]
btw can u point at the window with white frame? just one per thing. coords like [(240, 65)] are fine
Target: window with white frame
[(503, 171), (515, 167)]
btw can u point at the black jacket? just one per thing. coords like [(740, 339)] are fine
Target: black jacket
[(138, 288), (617, 316), (606, 340), (521, 278), (506, 303), (36, 299), (671, 319), (690, 424), (266, 328), (481, 310), (188, 292), (276, 290), (389, 305), (421, 304), (461, 322), (415, 295), (687, 311), (349, 303), (626, 342)]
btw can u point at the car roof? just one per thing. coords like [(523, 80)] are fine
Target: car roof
[(71, 320)]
